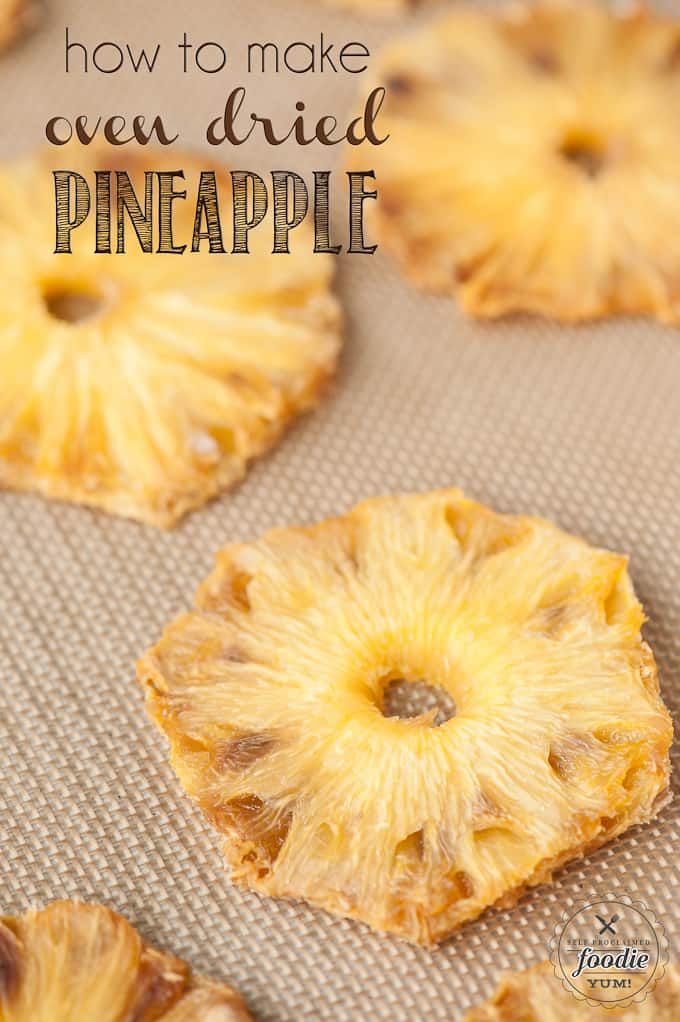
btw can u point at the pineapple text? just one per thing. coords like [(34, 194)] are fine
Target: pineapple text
[(152, 216)]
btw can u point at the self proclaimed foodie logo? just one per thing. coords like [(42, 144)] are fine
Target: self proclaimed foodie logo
[(610, 951)]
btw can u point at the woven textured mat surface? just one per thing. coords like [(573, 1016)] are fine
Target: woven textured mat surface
[(580, 425)]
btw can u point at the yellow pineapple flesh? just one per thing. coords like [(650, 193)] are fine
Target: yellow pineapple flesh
[(536, 995), (77, 962), (16, 16), (144, 383), (272, 692), (533, 163)]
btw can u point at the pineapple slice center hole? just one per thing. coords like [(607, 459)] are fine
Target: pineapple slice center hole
[(71, 304), (416, 699), (584, 151)]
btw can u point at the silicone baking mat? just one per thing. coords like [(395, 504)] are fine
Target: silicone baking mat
[(577, 424)]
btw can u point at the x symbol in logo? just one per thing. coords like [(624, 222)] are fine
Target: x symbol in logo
[(607, 927)]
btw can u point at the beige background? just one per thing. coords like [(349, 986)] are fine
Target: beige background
[(580, 425)]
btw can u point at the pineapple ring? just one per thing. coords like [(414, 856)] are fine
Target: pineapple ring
[(74, 962), (534, 160), (537, 994), (139, 383), (271, 692)]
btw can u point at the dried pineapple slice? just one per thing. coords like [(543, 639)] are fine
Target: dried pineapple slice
[(140, 383), (534, 159), (271, 692), (379, 8), (74, 962), (536, 995), (15, 17)]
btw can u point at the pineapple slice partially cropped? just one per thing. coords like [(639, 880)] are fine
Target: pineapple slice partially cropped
[(74, 962), (533, 162), (144, 383), (536, 995), (379, 8), (15, 17), (273, 692)]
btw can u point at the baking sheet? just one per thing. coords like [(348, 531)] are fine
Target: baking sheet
[(578, 424)]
